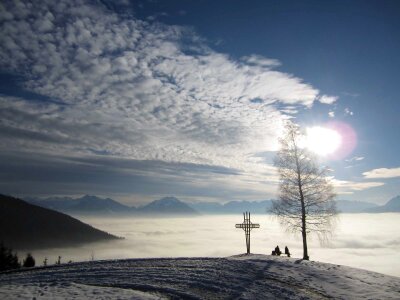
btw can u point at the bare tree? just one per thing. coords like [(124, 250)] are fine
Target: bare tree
[(92, 255), (306, 198)]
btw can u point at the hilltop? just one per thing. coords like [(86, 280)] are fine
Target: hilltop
[(237, 277)]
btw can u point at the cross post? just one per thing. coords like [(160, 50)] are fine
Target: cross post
[(247, 226)]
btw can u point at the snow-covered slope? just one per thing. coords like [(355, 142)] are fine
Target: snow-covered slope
[(237, 277)]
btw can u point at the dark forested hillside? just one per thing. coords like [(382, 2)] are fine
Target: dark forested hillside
[(27, 226)]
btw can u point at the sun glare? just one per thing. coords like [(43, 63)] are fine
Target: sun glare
[(322, 141)]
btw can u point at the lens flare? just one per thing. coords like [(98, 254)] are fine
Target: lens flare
[(349, 139)]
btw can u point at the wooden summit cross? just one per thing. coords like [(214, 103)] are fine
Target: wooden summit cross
[(247, 226)]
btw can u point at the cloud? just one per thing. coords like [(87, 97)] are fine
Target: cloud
[(258, 60), (131, 180), (355, 158), (331, 114), (327, 99), (354, 161), (348, 187), (382, 173), (138, 90), (348, 112), (361, 241)]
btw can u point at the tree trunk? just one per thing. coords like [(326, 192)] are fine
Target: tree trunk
[(304, 234), (303, 209), (303, 224)]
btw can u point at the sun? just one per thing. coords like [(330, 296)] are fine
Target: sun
[(322, 141)]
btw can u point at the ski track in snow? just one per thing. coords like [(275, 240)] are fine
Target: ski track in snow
[(237, 277)]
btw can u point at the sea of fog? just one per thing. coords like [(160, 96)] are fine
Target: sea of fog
[(367, 241)]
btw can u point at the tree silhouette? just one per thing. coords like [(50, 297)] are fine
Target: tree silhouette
[(306, 198), (8, 260), (29, 261)]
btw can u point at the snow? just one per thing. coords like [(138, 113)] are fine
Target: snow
[(240, 277), (70, 291)]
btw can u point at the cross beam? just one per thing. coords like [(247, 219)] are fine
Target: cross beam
[(247, 226)]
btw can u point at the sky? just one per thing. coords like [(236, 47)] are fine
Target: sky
[(137, 100)]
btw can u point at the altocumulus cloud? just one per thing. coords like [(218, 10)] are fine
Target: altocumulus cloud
[(349, 187), (112, 85), (383, 173)]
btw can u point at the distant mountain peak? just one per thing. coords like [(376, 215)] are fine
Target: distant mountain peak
[(394, 202), (172, 198), (393, 205), (168, 200), (89, 197), (171, 205), (396, 198)]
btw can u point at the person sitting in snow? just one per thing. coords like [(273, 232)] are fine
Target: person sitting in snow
[(278, 251), (287, 251)]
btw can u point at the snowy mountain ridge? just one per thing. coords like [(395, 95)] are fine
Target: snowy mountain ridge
[(93, 205), (238, 277)]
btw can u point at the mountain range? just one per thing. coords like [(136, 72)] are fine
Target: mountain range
[(167, 205), (233, 207), (85, 205), (346, 206), (393, 205), (93, 205), (24, 225)]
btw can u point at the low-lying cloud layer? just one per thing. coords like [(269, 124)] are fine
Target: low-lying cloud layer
[(367, 241)]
